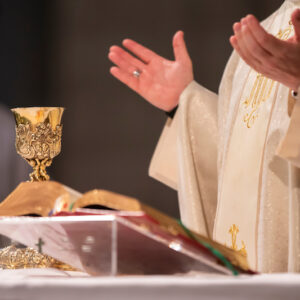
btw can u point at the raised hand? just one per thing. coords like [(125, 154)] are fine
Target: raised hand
[(274, 58), (161, 81)]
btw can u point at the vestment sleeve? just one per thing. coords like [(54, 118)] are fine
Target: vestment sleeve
[(164, 163), (289, 148)]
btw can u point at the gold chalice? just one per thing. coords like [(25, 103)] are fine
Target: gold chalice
[(38, 137)]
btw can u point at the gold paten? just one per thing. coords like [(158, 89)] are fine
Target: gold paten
[(23, 258), (38, 137), (234, 230), (262, 88)]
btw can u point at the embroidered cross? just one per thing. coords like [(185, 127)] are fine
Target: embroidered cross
[(40, 245), (234, 230)]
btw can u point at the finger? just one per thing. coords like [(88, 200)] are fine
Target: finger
[(140, 51), (296, 22), (179, 46), (243, 50), (122, 63), (270, 43), (233, 39), (127, 57), (235, 45), (253, 47), (259, 69), (125, 77)]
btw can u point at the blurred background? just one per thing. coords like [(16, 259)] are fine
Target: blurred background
[(54, 53)]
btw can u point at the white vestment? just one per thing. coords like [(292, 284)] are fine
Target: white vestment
[(235, 157)]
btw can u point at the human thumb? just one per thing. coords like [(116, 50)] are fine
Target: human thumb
[(296, 23), (180, 50)]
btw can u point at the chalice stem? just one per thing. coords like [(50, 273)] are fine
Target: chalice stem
[(39, 169), (34, 164), (42, 168)]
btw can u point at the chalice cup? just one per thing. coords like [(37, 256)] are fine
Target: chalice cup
[(38, 137)]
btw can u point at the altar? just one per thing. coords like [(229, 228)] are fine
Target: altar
[(46, 284), (56, 243)]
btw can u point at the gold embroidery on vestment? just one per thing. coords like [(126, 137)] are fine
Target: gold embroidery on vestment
[(234, 230), (262, 88)]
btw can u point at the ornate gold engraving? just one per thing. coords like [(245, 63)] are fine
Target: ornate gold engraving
[(234, 230), (23, 258), (38, 137), (262, 88), (38, 147)]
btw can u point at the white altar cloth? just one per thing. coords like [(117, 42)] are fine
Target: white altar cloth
[(51, 284)]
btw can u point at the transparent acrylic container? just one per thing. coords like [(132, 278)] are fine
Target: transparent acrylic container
[(110, 244)]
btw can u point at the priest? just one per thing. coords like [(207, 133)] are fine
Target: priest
[(234, 158)]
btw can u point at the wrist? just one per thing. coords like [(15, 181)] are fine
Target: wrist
[(295, 94), (171, 113)]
